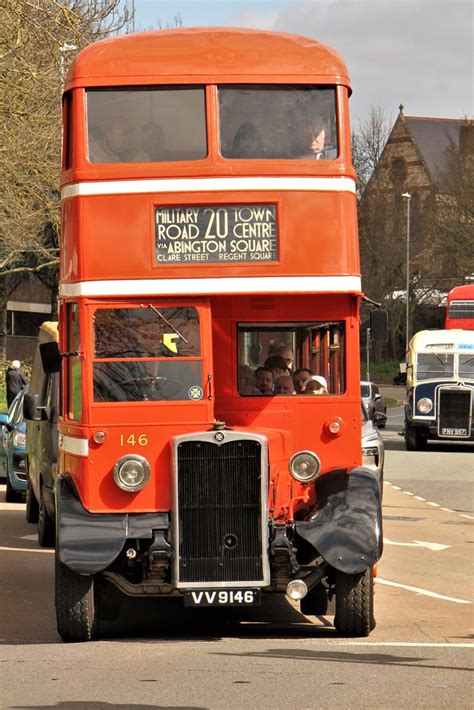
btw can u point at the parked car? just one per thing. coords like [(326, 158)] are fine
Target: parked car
[(12, 449), (41, 405), (373, 403), (373, 453)]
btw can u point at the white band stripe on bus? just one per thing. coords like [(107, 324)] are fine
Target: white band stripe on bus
[(210, 286), (182, 185), (73, 445)]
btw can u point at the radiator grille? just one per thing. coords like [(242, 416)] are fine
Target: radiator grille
[(454, 413), (220, 511)]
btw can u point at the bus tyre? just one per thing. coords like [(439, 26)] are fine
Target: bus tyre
[(414, 441), (75, 607), (315, 603), (32, 507), (354, 603), (46, 532)]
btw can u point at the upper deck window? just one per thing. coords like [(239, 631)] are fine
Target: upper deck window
[(150, 353), (146, 125), (292, 122)]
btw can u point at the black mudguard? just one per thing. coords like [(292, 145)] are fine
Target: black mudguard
[(88, 543), (345, 528)]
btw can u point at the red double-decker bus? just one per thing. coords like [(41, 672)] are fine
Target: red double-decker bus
[(460, 308), (209, 290)]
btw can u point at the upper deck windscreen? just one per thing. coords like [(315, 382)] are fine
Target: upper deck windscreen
[(292, 122), (146, 125)]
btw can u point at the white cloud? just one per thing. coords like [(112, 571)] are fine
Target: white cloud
[(417, 52)]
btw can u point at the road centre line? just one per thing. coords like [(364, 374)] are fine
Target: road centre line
[(403, 644), (26, 549), (424, 592), (434, 505)]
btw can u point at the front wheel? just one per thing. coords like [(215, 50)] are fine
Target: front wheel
[(414, 441), (11, 495), (75, 604), (46, 532), (354, 603), (32, 507)]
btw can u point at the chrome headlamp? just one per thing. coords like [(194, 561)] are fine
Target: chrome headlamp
[(304, 466), (425, 405), (131, 473)]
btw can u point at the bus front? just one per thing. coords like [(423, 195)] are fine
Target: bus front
[(209, 321)]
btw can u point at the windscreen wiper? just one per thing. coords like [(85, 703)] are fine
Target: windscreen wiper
[(160, 315)]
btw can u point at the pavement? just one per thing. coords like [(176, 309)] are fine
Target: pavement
[(395, 392)]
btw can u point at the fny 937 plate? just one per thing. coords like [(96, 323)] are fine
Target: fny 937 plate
[(222, 597)]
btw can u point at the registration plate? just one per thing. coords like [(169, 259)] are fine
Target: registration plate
[(222, 597), (450, 431)]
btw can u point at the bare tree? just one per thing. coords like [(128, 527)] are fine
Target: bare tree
[(34, 38), (368, 143)]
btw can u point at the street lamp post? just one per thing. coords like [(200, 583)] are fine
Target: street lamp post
[(407, 196), (65, 47)]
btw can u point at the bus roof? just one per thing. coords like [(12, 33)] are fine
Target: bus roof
[(206, 53), (428, 339), (461, 292)]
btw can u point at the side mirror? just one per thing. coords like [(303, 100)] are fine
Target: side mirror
[(379, 417), (50, 357), (379, 325), (31, 408)]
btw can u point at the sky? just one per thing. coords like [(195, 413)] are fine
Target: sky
[(418, 53)]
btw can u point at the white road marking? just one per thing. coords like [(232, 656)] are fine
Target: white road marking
[(463, 515), (424, 592), (29, 537), (403, 644), (420, 498), (26, 549), (435, 505), (435, 546), (408, 493)]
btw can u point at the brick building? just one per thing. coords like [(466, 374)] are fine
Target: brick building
[(419, 158)]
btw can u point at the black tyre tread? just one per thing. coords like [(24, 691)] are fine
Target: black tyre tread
[(32, 507), (315, 603), (411, 440), (46, 530), (75, 608), (11, 496), (354, 603)]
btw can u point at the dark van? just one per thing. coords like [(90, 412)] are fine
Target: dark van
[(40, 410)]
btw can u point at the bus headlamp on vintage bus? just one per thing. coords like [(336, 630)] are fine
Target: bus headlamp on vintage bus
[(131, 473), (425, 405), (304, 466)]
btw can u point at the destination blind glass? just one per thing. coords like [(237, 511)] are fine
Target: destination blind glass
[(216, 233)]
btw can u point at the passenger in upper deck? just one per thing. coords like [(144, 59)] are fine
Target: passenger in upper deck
[(247, 142), (313, 137), (153, 144), (116, 144)]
